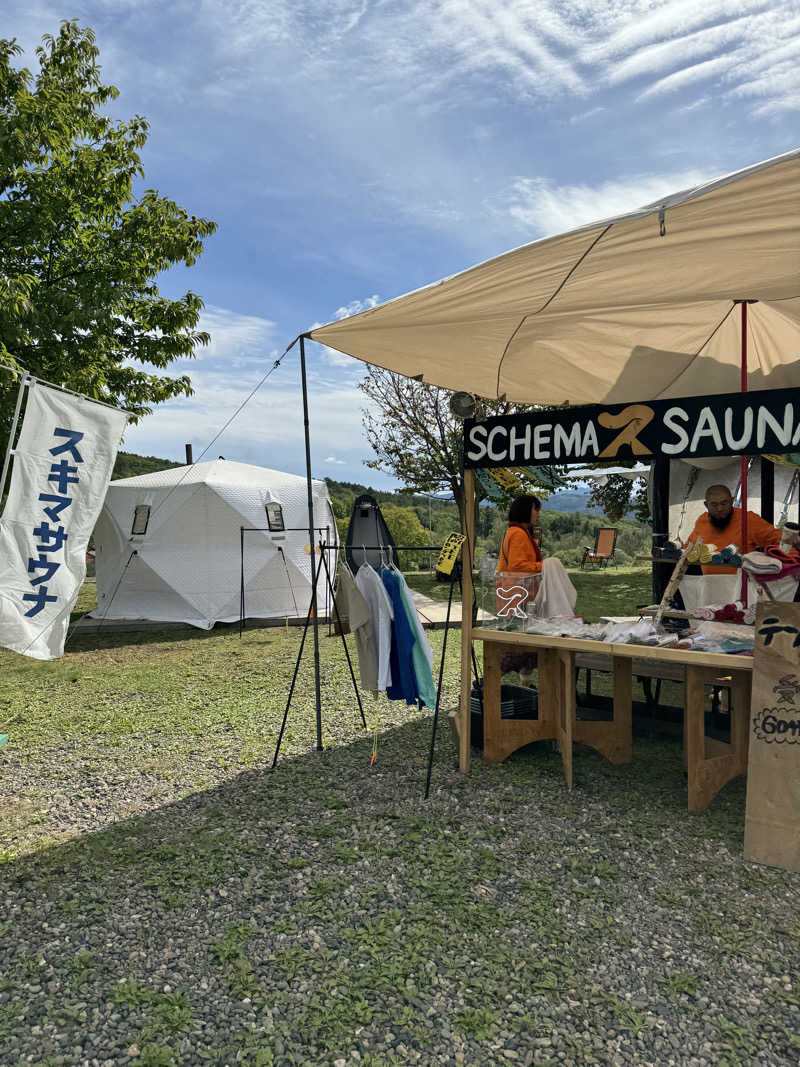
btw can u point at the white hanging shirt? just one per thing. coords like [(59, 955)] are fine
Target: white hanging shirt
[(381, 614)]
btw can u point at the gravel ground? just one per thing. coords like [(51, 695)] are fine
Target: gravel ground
[(166, 905)]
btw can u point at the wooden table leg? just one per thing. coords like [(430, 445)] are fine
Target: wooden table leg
[(565, 716), (711, 765), (694, 734), (547, 667), (623, 710), (613, 739), (502, 736), (492, 722), (740, 717)]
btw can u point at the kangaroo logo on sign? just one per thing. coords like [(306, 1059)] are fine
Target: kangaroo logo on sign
[(514, 597), (788, 689), (780, 725)]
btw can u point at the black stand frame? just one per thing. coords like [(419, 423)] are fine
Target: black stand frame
[(313, 614), (323, 548)]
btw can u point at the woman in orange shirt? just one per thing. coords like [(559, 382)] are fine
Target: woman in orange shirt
[(519, 551)]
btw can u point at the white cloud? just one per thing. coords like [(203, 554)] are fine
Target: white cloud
[(546, 208), (785, 102), (339, 359), (236, 339), (782, 80), (452, 54), (269, 429), (584, 116), (388, 96), (681, 78), (665, 55), (637, 24), (356, 306), (270, 426)]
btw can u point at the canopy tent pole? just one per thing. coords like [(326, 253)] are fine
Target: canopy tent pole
[(744, 458), (312, 548), (466, 622), (767, 470), (660, 515)]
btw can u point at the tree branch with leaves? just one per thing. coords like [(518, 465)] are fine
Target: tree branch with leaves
[(79, 249), (414, 436)]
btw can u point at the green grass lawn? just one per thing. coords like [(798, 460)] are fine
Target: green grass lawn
[(611, 591), (168, 900)]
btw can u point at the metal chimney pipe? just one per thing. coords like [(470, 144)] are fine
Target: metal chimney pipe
[(189, 460)]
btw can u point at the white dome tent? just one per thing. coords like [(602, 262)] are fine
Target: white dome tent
[(184, 525)]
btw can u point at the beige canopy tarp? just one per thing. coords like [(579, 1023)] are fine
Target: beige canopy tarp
[(635, 308)]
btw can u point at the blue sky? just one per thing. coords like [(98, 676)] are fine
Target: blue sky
[(352, 150)]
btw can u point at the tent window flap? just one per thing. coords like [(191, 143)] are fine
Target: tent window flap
[(141, 517), (275, 517)]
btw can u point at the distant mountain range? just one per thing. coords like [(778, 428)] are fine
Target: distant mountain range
[(129, 465), (576, 500)]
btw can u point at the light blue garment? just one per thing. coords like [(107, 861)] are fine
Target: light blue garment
[(422, 664)]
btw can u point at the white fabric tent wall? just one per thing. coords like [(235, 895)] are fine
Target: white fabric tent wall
[(188, 563)]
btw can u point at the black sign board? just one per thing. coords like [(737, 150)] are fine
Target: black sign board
[(729, 424)]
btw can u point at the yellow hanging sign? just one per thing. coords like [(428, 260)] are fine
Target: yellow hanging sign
[(505, 477), (449, 553)]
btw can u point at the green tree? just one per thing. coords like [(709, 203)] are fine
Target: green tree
[(406, 529), (620, 495), (414, 436), (79, 247)]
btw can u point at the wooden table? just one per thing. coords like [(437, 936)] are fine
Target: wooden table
[(710, 763)]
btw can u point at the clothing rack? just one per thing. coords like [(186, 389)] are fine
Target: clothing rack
[(324, 547)]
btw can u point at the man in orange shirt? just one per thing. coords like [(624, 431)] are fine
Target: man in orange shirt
[(721, 525)]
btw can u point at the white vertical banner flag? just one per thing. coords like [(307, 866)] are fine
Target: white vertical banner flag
[(62, 466)]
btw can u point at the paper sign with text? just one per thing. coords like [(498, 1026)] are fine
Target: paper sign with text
[(772, 816), (449, 553)]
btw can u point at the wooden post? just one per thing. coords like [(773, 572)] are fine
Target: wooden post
[(467, 554)]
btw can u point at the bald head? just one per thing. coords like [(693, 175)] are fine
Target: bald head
[(719, 504)]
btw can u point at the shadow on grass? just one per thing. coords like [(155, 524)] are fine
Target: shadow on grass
[(301, 908), (310, 787), (92, 640)]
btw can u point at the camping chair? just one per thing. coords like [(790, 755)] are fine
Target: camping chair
[(605, 542)]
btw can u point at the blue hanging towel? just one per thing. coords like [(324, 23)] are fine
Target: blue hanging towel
[(422, 655), (404, 681)]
